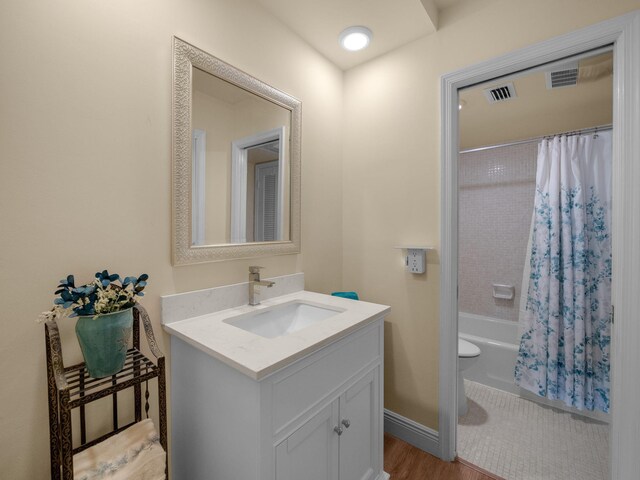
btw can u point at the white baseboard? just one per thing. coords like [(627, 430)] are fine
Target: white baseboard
[(412, 432), (385, 476)]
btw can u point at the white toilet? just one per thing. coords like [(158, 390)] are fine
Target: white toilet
[(468, 354)]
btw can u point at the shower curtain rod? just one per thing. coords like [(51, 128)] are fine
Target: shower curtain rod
[(601, 128)]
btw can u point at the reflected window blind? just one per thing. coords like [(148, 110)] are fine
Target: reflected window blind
[(266, 202), (269, 199)]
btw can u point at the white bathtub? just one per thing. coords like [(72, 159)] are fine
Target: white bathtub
[(499, 341)]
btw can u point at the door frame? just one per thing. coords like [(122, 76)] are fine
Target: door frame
[(624, 33)]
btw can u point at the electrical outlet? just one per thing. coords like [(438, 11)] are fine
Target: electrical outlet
[(416, 260)]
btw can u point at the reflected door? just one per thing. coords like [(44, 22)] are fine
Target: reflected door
[(266, 202)]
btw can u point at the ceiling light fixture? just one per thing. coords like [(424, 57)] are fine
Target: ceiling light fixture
[(355, 38)]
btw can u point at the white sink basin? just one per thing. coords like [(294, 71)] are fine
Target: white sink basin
[(283, 319)]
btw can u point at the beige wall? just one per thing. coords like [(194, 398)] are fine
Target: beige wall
[(85, 132), (85, 171), (392, 175)]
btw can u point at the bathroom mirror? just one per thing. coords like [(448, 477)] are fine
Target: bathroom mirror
[(236, 162)]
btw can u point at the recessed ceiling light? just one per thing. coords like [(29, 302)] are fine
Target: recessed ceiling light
[(355, 38)]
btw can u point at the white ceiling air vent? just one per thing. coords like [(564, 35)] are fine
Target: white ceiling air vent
[(564, 76), (500, 93)]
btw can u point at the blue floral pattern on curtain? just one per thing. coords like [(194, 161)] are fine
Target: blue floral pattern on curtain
[(565, 345)]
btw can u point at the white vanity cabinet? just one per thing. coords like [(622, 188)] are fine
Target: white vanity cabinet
[(338, 441), (318, 418)]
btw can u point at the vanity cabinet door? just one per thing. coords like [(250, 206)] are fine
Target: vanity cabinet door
[(311, 452), (360, 420)]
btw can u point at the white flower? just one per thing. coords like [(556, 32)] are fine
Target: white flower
[(53, 314), (112, 299), (45, 317)]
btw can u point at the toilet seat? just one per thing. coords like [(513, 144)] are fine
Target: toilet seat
[(467, 349)]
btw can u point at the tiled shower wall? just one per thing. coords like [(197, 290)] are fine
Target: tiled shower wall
[(496, 192)]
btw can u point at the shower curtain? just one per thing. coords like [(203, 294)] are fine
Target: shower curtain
[(564, 349)]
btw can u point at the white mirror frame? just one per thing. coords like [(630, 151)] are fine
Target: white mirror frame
[(185, 57)]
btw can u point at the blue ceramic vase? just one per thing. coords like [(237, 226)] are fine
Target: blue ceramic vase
[(104, 340)]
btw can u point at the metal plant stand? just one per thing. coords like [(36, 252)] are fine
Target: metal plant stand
[(71, 387)]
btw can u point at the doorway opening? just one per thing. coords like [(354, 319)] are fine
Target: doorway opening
[(534, 303), (624, 34)]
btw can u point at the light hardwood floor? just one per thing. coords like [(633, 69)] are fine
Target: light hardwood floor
[(406, 462)]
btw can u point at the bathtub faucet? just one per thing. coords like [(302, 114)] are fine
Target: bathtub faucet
[(254, 279)]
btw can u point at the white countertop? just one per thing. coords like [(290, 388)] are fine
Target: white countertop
[(256, 356)]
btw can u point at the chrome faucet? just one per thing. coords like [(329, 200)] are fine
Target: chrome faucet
[(254, 279)]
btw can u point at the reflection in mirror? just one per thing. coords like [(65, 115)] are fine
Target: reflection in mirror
[(240, 168), (236, 162), (262, 222), (259, 176)]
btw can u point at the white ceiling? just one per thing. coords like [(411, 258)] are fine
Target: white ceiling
[(393, 23)]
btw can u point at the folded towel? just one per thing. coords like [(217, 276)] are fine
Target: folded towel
[(133, 454), (351, 295)]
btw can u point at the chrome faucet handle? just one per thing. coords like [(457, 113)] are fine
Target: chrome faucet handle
[(255, 269)]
